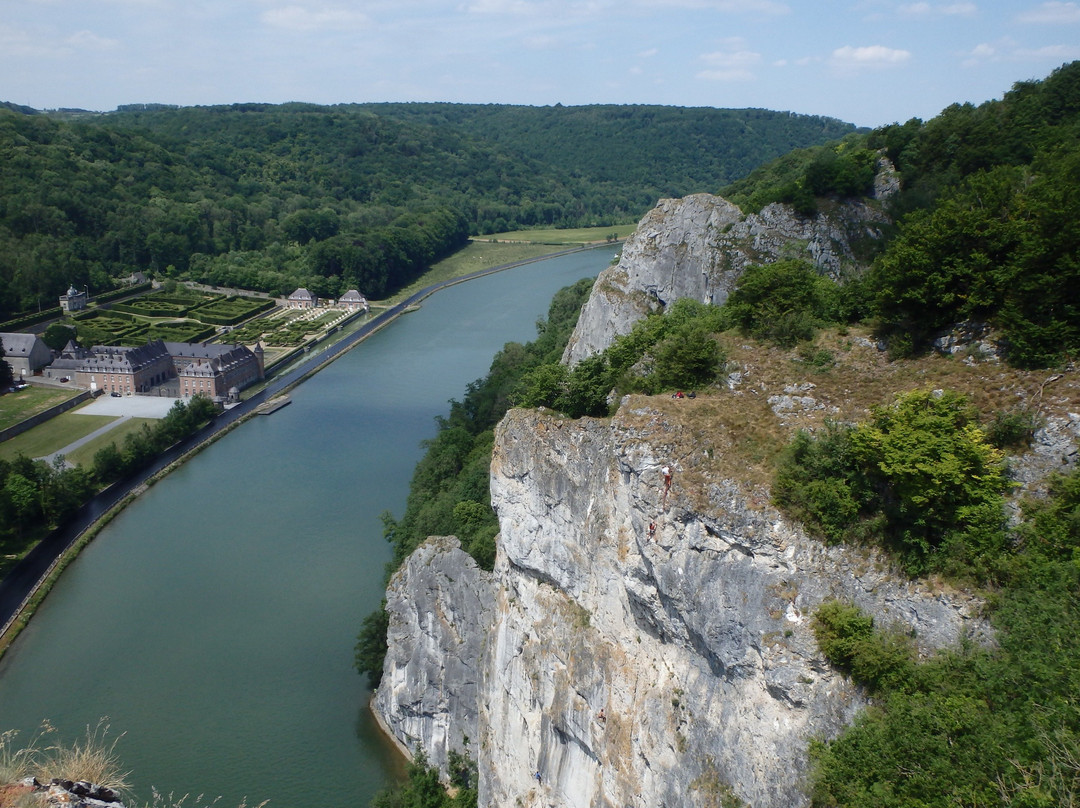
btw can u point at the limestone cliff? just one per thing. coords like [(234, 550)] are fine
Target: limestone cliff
[(632, 666), (697, 247), (442, 608), (644, 646)]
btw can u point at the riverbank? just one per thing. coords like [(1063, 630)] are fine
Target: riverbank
[(30, 581)]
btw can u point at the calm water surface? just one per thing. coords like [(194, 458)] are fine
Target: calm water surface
[(213, 621)]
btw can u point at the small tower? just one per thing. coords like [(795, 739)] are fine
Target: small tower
[(259, 355)]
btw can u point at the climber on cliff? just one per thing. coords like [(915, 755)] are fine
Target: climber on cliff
[(666, 471), (539, 779), (652, 529)]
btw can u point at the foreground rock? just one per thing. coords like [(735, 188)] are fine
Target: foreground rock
[(59, 792), (626, 668)]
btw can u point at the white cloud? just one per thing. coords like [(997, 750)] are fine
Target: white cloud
[(1052, 13), (301, 18), (931, 10), (983, 51), (1047, 53), (733, 64), (768, 7), (1008, 51), (739, 58), (727, 76), (648, 54), (868, 57), (542, 42), (497, 7), (88, 40)]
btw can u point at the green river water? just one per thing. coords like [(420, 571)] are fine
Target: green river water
[(212, 623)]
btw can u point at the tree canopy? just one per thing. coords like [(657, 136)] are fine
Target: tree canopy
[(272, 197)]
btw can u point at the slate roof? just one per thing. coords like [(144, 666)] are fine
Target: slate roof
[(16, 344)]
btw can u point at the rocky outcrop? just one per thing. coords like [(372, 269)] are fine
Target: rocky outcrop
[(663, 665), (60, 792), (634, 646), (698, 246), (441, 608), (639, 645)]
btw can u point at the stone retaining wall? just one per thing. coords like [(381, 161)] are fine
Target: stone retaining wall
[(42, 417)]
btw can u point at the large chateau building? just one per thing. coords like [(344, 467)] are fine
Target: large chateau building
[(217, 371)]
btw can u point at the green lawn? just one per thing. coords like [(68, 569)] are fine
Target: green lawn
[(479, 254), (84, 455), (56, 433), (581, 235), (18, 406)]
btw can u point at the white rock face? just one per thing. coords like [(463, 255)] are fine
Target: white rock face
[(441, 607), (630, 669), (698, 246)]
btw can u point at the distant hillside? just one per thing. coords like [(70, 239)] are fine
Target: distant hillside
[(276, 196), (669, 151)]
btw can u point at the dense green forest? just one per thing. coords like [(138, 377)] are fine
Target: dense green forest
[(273, 197), (986, 229), (988, 221)]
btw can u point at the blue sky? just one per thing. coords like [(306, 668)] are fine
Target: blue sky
[(869, 62)]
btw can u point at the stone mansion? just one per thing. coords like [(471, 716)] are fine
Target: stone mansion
[(217, 371)]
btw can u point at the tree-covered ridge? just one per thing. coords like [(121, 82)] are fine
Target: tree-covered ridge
[(987, 218), (702, 148), (274, 197)]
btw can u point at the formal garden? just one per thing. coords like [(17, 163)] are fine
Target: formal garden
[(187, 315)]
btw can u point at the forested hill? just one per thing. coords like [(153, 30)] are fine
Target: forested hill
[(272, 197), (616, 144)]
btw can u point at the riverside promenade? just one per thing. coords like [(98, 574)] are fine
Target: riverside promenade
[(19, 586)]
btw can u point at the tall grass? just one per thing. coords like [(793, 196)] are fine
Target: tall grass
[(92, 758)]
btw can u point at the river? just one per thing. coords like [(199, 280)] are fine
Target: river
[(212, 623)]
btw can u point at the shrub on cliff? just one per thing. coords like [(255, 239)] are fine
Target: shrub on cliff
[(663, 352), (975, 725), (920, 476), (784, 302)]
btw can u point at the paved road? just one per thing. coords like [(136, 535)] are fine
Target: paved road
[(71, 447), (23, 579)]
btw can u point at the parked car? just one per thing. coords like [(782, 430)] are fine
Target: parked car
[(65, 378), (114, 394)]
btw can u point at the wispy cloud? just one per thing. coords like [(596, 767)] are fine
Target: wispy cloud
[(1007, 50), (937, 9), (303, 18), (734, 63), (757, 7), (868, 57), (1052, 13), (497, 7), (88, 40), (1047, 53)]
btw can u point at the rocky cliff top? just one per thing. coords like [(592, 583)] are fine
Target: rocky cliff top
[(698, 246), (652, 648)]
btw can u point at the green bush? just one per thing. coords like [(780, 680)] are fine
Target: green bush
[(784, 302), (1013, 429), (920, 477), (847, 637)]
